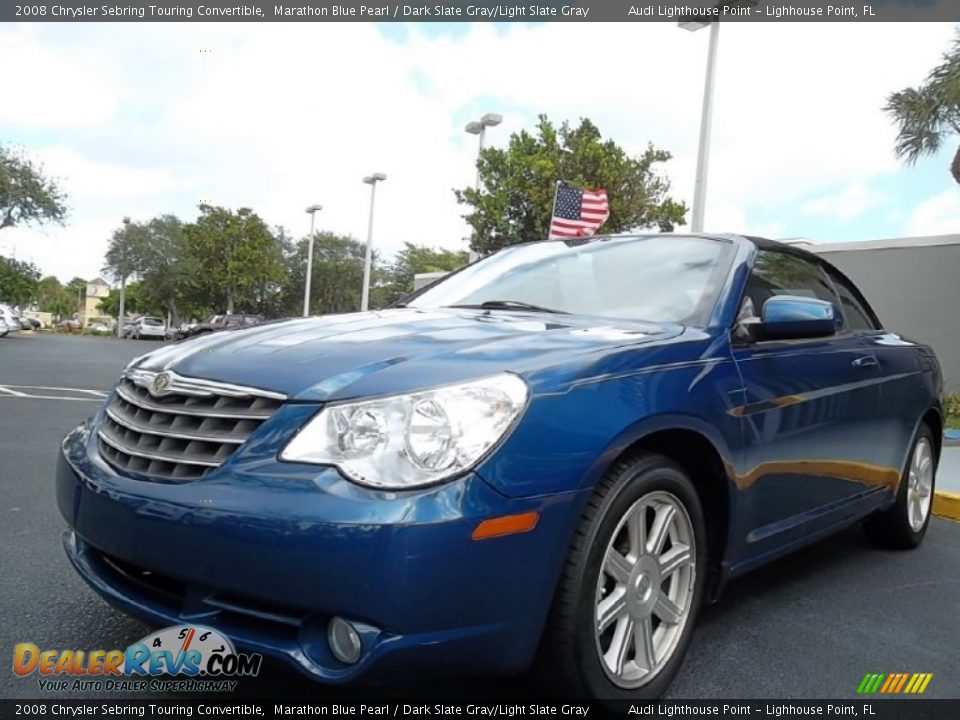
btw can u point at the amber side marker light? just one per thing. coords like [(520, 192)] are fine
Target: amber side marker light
[(506, 525)]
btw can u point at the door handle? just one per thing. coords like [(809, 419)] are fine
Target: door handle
[(866, 361)]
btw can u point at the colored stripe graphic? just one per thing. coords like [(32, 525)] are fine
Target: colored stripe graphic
[(894, 683)]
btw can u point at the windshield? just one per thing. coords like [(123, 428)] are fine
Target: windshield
[(670, 278)]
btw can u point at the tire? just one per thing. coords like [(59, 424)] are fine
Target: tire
[(641, 489), (903, 525)]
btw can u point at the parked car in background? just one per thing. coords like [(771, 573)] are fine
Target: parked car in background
[(220, 322), (184, 328), (127, 325), (9, 318), (28, 323), (99, 329), (3, 328), (557, 453), (148, 327), (70, 325)]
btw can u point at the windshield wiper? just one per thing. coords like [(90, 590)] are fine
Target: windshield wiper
[(510, 305)]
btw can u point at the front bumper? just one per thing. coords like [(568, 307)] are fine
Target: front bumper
[(268, 552)]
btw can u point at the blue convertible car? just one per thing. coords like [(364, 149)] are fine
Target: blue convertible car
[(557, 453)]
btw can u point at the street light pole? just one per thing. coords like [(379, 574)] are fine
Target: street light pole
[(123, 275), (479, 127), (312, 211), (706, 120), (706, 114), (372, 181)]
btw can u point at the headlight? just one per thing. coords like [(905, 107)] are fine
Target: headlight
[(411, 440)]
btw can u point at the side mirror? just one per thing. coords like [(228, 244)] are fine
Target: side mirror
[(786, 317)]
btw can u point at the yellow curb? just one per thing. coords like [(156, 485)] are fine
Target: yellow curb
[(946, 505)]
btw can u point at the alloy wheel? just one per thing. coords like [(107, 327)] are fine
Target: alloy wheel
[(920, 484), (645, 589)]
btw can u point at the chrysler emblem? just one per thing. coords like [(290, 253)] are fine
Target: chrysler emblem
[(160, 383)]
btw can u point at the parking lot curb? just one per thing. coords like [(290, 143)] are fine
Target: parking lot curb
[(946, 505)]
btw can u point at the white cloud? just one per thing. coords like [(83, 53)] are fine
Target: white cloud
[(96, 192), (281, 115), (46, 85), (938, 215), (846, 204)]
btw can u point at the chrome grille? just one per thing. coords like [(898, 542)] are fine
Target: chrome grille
[(167, 426)]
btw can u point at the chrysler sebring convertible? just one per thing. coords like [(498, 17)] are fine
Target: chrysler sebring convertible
[(554, 456)]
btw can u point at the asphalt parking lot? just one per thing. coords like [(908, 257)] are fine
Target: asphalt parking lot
[(809, 626)]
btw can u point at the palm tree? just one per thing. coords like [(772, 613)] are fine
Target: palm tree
[(928, 114)]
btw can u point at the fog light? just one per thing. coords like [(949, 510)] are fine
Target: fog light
[(344, 641)]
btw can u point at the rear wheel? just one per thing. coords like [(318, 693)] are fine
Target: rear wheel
[(633, 584), (903, 525)]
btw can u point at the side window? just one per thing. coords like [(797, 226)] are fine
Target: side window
[(781, 273), (855, 315)]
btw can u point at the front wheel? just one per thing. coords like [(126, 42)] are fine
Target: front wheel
[(633, 583), (903, 525)]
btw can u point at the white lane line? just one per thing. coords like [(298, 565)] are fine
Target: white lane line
[(48, 397), (6, 391), (48, 387)]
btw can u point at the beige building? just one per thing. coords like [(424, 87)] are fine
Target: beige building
[(97, 291)]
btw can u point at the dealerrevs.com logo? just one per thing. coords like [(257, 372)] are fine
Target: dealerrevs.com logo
[(200, 658)]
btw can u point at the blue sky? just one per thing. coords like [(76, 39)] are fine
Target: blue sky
[(137, 121)]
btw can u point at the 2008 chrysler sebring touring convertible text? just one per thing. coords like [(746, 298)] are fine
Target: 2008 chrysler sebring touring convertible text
[(557, 453)]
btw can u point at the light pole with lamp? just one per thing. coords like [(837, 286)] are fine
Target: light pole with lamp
[(123, 275), (706, 114), (479, 127), (312, 211), (372, 181)]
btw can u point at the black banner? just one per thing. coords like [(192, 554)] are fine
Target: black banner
[(862, 708), (480, 11)]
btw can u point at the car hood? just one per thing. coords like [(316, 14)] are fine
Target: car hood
[(373, 353)]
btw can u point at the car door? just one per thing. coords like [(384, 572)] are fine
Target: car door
[(907, 371), (809, 408)]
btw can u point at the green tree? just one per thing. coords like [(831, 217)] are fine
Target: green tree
[(136, 301), (125, 250), (18, 281), (53, 297), (268, 296), (76, 290), (518, 184), (396, 280), (77, 287), (337, 279), (27, 195), (162, 264), (232, 256), (928, 114)]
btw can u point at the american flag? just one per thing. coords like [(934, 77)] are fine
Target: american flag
[(578, 212)]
